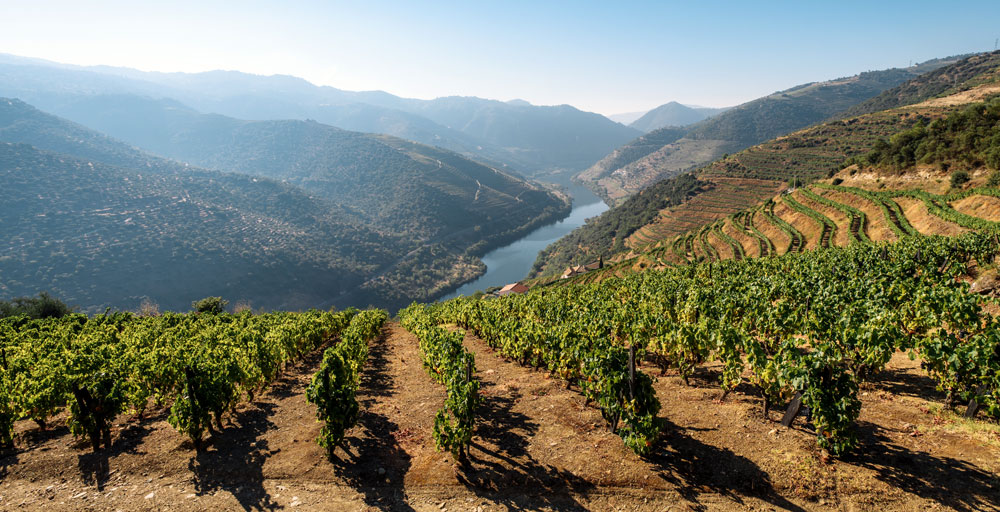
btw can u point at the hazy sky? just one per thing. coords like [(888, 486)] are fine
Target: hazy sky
[(607, 57)]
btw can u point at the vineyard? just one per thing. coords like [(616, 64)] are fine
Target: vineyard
[(201, 366), (674, 377)]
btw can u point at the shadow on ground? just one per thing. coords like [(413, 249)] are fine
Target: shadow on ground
[(696, 468), (377, 449), (501, 469), (95, 467), (950, 482)]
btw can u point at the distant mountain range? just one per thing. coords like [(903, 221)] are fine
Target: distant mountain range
[(534, 140), (318, 215), (639, 164)]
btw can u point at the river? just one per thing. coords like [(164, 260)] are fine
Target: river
[(511, 263)]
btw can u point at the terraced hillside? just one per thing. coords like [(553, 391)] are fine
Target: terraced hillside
[(866, 206), (749, 177), (637, 165)]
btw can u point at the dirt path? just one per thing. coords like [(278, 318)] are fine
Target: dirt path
[(536, 447)]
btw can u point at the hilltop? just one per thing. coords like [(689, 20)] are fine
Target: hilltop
[(673, 114), (707, 223), (637, 165), (748, 177), (536, 140)]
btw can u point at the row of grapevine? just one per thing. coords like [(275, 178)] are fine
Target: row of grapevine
[(584, 345), (201, 365), (447, 361), (938, 205), (829, 227), (857, 217), (892, 212), (797, 241), (334, 387), (733, 244), (814, 324)]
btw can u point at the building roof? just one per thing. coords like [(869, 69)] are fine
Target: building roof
[(513, 288)]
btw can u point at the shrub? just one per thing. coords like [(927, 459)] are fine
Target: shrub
[(242, 306), (993, 180), (958, 178), (148, 308), (43, 306), (210, 305)]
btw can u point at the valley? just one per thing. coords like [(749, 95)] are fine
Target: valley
[(246, 290)]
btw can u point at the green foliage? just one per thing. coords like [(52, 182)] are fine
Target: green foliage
[(993, 181), (585, 349), (210, 305), (968, 137), (99, 367), (786, 325), (959, 178), (447, 362), (335, 384), (43, 306)]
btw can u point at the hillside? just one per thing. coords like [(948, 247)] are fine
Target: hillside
[(103, 236), (445, 210), (537, 140), (740, 127), (396, 185), (753, 175), (673, 114)]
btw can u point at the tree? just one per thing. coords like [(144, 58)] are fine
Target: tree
[(958, 178), (43, 306), (994, 179), (210, 305)]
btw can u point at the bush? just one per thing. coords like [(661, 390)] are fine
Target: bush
[(43, 306), (958, 178), (994, 179), (210, 305)]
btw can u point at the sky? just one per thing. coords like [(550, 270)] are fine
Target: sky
[(607, 57)]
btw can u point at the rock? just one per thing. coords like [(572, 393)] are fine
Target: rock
[(150, 495), (381, 471), (82, 494), (987, 283)]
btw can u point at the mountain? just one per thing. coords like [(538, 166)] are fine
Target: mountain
[(396, 185), (740, 127), (673, 114), (686, 203), (98, 236), (410, 224), (537, 140)]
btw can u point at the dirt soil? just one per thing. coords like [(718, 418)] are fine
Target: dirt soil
[(924, 221), (877, 228), (536, 447), (984, 207)]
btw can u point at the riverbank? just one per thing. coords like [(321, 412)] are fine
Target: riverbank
[(512, 262)]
